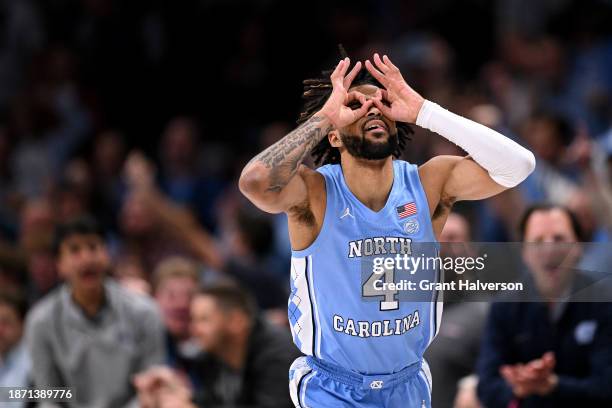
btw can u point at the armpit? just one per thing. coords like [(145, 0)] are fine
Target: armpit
[(443, 208), (302, 213)]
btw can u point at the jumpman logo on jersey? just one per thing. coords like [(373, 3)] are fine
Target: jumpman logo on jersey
[(347, 212)]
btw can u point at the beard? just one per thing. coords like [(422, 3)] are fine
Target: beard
[(362, 148)]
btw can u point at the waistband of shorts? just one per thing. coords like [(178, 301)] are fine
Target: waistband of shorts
[(369, 381)]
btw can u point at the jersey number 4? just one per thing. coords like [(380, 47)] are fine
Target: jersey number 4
[(373, 287)]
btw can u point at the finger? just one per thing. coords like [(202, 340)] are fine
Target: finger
[(363, 110), (531, 373), (388, 62), (345, 66), (549, 356), (385, 95), (384, 109), (376, 73), (336, 73), (536, 364), (380, 64), (505, 371), (523, 375), (355, 95), (351, 75)]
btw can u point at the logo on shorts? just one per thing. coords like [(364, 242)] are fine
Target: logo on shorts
[(376, 384), (411, 226)]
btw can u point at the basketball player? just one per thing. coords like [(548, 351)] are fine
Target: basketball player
[(363, 201)]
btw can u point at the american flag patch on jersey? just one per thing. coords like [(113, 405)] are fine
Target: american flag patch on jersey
[(406, 210)]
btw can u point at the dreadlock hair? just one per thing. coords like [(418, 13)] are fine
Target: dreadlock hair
[(316, 93)]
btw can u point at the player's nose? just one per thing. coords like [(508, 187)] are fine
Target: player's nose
[(374, 111)]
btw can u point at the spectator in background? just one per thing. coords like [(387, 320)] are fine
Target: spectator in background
[(90, 334), (247, 359), (180, 175), (50, 121), (552, 353), (107, 157), (14, 359), (549, 135), (37, 225), (243, 252), (250, 241), (245, 362), (143, 237), (452, 355), (176, 280)]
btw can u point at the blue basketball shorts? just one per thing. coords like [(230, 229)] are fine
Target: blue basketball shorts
[(314, 383)]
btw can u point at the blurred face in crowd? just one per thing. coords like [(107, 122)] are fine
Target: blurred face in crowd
[(83, 261), (214, 327), (544, 139), (551, 251), (179, 142), (42, 270), (36, 222), (174, 296), (136, 220), (11, 328), (108, 153), (456, 229), (372, 137), (455, 237)]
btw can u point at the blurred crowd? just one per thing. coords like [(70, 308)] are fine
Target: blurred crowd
[(141, 114)]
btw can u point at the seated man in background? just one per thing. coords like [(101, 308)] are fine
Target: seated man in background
[(90, 334), (452, 355), (176, 280), (552, 353), (14, 359), (247, 239), (246, 359)]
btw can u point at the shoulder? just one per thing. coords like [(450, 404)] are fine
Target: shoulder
[(313, 178), (437, 169), (271, 342), (136, 304), (44, 310)]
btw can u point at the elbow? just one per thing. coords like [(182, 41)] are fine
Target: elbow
[(516, 170), (525, 165), (253, 182), (529, 162)]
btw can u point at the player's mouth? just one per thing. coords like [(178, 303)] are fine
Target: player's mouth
[(375, 126)]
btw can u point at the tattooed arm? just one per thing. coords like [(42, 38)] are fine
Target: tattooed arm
[(274, 180), (271, 178)]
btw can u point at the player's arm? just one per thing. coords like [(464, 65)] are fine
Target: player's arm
[(495, 162), (275, 180)]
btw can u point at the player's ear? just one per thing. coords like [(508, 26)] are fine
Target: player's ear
[(334, 138)]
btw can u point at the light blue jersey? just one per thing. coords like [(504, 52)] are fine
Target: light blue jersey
[(336, 313)]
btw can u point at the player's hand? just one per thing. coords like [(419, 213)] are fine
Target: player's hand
[(402, 102), (338, 109)]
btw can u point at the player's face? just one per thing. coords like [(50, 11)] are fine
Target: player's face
[(174, 297), (83, 261), (208, 323), (374, 136), (551, 251)]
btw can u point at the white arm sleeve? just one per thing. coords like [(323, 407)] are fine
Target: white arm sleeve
[(507, 162)]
